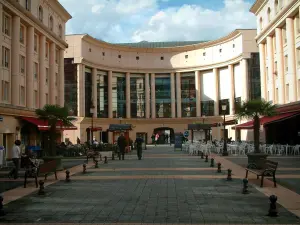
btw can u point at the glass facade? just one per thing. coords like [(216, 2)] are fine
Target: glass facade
[(102, 94), (254, 76), (88, 92), (163, 97), (71, 86), (119, 95), (207, 108), (137, 96), (188, 96)]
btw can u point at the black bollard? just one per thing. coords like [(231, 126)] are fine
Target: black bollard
[(2, 213), (273, 207), (113, 156), (212, 162), (84, 168), (68, 176), (202, 155), (229, 174), (245, 186), (105, 160), (219, 167), (206, 158), (42, 188), (96, 164)]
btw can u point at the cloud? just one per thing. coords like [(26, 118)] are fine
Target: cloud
[(134, 21)]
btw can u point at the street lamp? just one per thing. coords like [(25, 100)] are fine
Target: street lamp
[(92, 127), (225, 153)]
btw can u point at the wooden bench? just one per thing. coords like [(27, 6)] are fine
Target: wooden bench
[(45, 169), (269, 170)]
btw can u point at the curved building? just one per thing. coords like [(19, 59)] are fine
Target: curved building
[(159, 85)]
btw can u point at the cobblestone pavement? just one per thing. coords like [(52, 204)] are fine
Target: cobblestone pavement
[(154, 200)]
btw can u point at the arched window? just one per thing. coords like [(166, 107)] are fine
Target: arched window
[(269, 14), (60, 31), (41, 13), (276, 6), (260, 23), (51, 23)]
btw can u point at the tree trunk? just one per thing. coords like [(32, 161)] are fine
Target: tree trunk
[(52, 140), (256, 129)]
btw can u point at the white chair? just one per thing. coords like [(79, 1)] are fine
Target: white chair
[(296, 149)]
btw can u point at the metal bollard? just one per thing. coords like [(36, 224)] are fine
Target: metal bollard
[(206, 158), (84, 168), (273, 207), (219, 167), (212, 162), (113, 156), (96, 164), (202, 155), (105, 160), (245, 186), (42, 188), (68, 176), (2, 213), (229, 174)]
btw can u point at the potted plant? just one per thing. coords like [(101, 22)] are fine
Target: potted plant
[(53, 114), (254, 109)]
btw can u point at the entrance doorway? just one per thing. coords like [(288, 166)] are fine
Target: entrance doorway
[(166, 135)]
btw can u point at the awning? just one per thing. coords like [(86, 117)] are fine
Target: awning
[(119, 127), (267, 120), (43, 125), (95, 128), (227, 123), (199, 126)]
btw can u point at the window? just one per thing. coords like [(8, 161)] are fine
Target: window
[(28, 5), (56, 76), (35, 71), (284, 35), (35, 42), (119, 56), (35, 96), (22, 64), (51, 23), (233, 45), (207, 108), (204, 53), (41, 14), (161, 58), (220, 50), (60, 31), (186, 56), (137, 58), (286, 63), (90, 50), (269, 14), (22, 95), (47, 99), (276, 96), (287, 92), (56, 55), (275, 70), (5, 57), (103, 53), (56, 100), (47, 50), (47, 75), (6, 24), (22, 33), (260, 23), (5, 91), (276, 6)]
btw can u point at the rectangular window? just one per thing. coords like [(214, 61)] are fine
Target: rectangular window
[(47, 100), (207, 108), (275, 71), (35, 42), (35, 71), (56, 56), (5, 57), (22, 64), (276, 96), (6, 24), (286, 63), (22, 33), (284, 35), (47, 76), (56, 76), (47, 50), (22, 95), (287, 93), (5, 91), (36, 103)]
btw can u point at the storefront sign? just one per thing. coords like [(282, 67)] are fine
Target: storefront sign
[(178, 141)]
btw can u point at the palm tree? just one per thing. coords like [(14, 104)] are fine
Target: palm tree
[(53, 114), (254, 109)]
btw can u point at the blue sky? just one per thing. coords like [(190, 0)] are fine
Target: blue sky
[(158, 20)]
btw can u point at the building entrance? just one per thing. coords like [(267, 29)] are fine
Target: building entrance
[(166, 135)]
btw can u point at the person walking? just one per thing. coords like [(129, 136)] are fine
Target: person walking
[(122, 145), (156, 138), (139, 141), (16, 155)]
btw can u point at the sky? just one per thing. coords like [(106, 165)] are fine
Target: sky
[(122, 21)]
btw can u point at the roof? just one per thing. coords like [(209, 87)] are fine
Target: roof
[(146, 44)]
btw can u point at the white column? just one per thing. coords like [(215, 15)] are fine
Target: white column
[(52, 66), (173, 100), (271, 82), (153, 106), (178, 94), (81, 89), (61, 74), (232, 90), (109, 85), (198, 93), (216, 86), (280, 65), (42, 71), (29, 66), (291, 59), (147, 95), (15, 61), (244, 72), (94, 90), (262, 61), (128, 105)]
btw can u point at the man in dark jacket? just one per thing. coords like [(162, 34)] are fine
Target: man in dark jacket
[(122, 145), (139, 141)]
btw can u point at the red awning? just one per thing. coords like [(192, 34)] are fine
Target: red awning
[(43, 125), (267, 120)]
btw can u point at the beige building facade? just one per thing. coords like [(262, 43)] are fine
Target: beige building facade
[(32, 40), (159, 86)]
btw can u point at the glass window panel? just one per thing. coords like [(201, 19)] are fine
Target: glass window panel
[(88, 94), (102, 95), (137, 97), (188, 96), (163, 97), (119, 97), (207, 108)]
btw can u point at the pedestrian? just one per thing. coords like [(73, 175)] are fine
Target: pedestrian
[(16, 155), (153, 138), (156, 138), (139, 141), (122, 145)]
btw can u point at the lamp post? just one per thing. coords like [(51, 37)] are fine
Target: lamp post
[(92, 128), (225, 153)]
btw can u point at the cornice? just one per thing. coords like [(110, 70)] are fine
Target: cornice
[(256, 7), (30, 18), (277, 20), (162, 70), (58, 7), (10, 110), (219, 41)]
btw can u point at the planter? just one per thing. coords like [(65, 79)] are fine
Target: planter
[(58, 160), (257, 160)]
